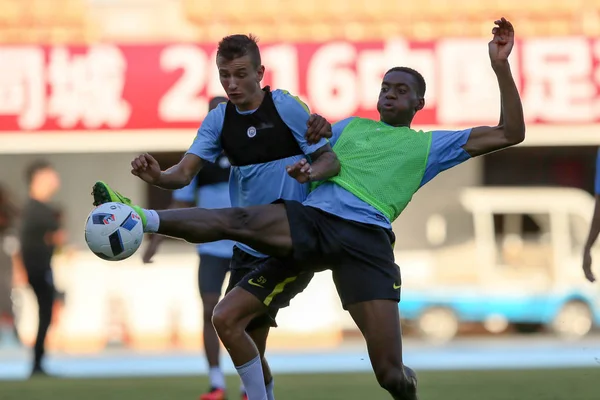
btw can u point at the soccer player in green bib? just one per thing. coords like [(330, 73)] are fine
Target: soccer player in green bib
[(345, 223)]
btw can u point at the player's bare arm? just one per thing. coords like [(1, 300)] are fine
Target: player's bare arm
[(325, 164), (592, 236), (147, 168), (181, 174), (511, 129)]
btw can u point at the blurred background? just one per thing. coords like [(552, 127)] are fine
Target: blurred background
[(490, 251)]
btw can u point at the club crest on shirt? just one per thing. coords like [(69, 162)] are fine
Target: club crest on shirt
[(251, 132)]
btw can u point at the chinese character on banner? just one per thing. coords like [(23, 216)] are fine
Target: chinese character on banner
[(468, 89), (558, 80), (87, 88), (22, 86)]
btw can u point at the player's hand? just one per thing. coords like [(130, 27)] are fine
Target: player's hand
[(503, 41), (151, 249), (587, 266), (318, 128), (148, 254), (301, 171), (146, 168)]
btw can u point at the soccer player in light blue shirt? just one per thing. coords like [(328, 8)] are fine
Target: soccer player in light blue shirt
[(261, 132), (259, 183)]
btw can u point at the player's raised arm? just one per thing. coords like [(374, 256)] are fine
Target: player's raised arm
[(206, 146), (511, 128), (182, 173), (147, 169)]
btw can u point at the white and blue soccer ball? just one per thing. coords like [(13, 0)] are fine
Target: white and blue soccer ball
[(114, 231)]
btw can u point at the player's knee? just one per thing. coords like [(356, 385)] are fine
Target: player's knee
[(220, 320), (239, 220), (225, 321)]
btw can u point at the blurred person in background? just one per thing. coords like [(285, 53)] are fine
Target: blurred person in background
[(8, 248), (40, 234), (208, 189), (594, 228)]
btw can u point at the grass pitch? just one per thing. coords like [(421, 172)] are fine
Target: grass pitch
[(571, 384)]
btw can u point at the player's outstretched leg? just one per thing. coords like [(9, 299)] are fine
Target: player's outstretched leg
[(264, 228), (379, 322)]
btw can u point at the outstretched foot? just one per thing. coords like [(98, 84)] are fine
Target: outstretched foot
[(102, 194)]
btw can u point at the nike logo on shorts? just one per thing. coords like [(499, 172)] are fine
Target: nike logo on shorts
[(251, 282)]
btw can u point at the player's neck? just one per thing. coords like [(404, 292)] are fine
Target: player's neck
[(401, 120), (254, 103), (397, 124)]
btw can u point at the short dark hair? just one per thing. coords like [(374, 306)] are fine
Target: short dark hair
[(34, 168), (236, 46), (215, 101), (418, 77)]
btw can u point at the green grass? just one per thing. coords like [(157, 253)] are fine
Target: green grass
[(573, 384)]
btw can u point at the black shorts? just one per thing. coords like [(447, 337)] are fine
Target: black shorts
[(211, 273), (269, 280), (211, 276), (361, 256)]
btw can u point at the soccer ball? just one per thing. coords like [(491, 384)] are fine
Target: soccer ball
[(114, 231)]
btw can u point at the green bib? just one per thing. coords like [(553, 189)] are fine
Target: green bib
[(382, 165)]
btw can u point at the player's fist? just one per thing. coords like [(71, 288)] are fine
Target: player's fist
[(317, 129), (300, 171), (502, 42), (146, 168)]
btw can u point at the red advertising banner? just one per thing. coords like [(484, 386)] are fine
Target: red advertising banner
[(167, 86)]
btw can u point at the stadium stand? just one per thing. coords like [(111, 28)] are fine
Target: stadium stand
[(78, 21)]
